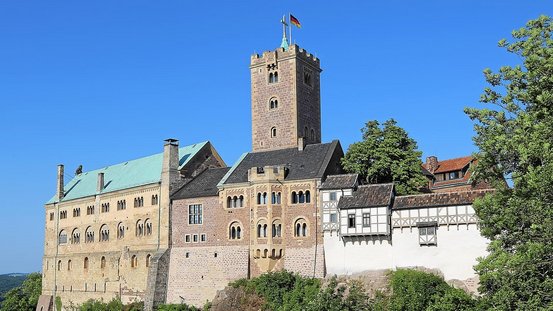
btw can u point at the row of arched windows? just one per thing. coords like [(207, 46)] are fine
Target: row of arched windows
[(233, 202), (143, 228), (273, 103), (86, 263), (306, 133), (139, 202), (235, 231), (274, 253), (105, 207), (121, 204), (273, 77), (301, 197), (77, 212), (90, 210)]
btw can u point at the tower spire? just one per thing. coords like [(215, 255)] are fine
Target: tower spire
[(284, 43)]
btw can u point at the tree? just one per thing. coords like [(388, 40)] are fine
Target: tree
[(515, 138), (24, 297), (385, 155)]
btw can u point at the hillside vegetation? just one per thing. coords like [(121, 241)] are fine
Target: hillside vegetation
[(9, 281)]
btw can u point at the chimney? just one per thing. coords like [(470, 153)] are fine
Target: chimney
[(301, 143), (170, 167), (59, 191), (100, 183), (432, 164)]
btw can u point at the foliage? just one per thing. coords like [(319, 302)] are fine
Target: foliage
[(25, 296), (282, 290), (58, 303), (113, 305), (10, 281), (386, 154), (337, 297), (417, 290), (515, 138), (176, 307)]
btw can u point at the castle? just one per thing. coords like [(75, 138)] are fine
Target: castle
[(177, 226)]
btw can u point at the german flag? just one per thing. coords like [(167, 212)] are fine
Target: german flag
[(295, 21)]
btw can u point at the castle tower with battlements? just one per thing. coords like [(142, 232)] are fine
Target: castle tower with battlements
[(286, 99)]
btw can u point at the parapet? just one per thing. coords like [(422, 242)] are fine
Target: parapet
[(293, 51)]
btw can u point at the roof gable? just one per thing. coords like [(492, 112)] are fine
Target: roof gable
[(368, 196), (129, 174), (204, 185), (453, 164)]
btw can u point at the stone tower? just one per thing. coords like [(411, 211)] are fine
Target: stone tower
[(286, 99)]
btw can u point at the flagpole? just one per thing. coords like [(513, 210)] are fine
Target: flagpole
[(290, 26)]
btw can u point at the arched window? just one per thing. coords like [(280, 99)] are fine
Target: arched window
[(120, 230), (273, 132), (229, 202), (300, 227), (273, 103), (241, 201), (134, 261), (85, 263), (265, 253), (139, 228), (259, 198), (154, 199), (273, 197), (271, 78), (305, 132), (148, 258), (59, 265), (259, 226), (103, 262), (301, 197), (104, 233), (264, 198), (69, 265), (307, 196), (235, 201), (76, 236), (89, 235), (277, 229), (275, 77), (312, 134), (62, 238), (262, 229), (294, 197), (148, 227), (279, 197), (258, 253), (235, 231)]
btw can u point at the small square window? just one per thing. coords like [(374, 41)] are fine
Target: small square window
[(333, 196), (202, 237), (187, 254), (333, 217), (427, 235), (187, 238)]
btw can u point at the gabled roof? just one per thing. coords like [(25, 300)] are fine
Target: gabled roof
[(342, 181), (439, 199), (124, 175), (453, 164), (204, 185), (368, 196), (311, 162)]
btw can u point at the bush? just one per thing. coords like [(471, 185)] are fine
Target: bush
[(25, 296), (114, 305), (176, 307)]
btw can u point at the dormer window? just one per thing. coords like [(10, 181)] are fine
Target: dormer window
[(454, 175)]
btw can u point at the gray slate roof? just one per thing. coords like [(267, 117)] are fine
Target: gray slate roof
[(204, 185), (310, 163), (439, 199), (343, 181), (368, 196)]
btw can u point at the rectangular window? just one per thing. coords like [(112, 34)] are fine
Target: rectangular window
[(333, 196), (366, 220), (427, 235), (454, 175), (202, 237), (195, 238), (187, 238), (333, 217), (51, 216), (351, 221), (195, 214)]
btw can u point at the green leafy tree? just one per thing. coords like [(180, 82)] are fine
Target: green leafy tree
[(24, 297), (515, 138), (386, 154)]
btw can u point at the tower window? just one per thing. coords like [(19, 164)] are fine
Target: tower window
[(312, 134), (273, 103), (273, 132), (307, 77), (273, 77)]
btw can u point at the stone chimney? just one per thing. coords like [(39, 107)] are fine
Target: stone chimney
[(170, 166), (59, 191), (100, 184), (301, 143), (432, 164)]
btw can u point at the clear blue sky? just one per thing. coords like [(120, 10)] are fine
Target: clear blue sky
[(100, 82)]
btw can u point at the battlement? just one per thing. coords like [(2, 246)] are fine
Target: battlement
[(280, 53)]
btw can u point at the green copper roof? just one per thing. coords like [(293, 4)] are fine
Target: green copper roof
[(284, 43), (125, 175)]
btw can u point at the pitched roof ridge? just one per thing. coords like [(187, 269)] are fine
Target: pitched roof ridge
[(438, 193), (373, 185), (139, 158)]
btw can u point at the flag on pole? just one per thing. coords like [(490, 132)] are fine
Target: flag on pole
[(295, 21)]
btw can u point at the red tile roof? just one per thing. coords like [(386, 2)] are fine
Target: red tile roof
[(452, 164)]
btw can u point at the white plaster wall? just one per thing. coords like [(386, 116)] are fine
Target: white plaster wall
[(455, 255)]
